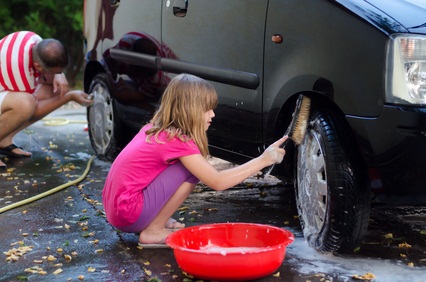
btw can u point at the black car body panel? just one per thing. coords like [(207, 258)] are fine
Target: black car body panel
[(325, 52), (260, 56)]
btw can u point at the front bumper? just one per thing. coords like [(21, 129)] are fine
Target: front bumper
[(394, 147)]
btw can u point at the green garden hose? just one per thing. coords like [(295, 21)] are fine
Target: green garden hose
[(51, 191), (60, 121)]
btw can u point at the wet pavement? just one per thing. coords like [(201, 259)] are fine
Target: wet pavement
[(65, 237)]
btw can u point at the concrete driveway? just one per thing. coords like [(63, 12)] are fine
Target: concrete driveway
[(65, 237)]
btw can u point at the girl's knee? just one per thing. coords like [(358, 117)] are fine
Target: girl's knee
[(185, 189), (191, 186)]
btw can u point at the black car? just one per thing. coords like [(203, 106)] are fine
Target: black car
[(362, 64)]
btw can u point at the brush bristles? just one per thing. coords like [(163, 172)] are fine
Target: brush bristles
[(301, 122)]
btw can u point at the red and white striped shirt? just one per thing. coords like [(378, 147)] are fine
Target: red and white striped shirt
[(16, 62)]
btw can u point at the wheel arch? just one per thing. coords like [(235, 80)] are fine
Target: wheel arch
[(91, 70), (283, 99), (321, 93)]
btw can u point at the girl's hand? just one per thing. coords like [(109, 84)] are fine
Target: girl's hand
[(274, 154)]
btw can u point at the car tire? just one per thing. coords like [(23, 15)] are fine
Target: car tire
[(104, 125), (332, 197)]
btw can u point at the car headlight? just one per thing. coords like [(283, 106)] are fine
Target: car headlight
[(406, 69)]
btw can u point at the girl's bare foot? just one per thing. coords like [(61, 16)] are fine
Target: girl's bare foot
[(173, 224), (154, 237)]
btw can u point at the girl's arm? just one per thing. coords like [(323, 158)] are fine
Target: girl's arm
[(222, 180)]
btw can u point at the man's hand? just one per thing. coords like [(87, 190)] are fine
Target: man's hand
[(60, 84), (80, 97)]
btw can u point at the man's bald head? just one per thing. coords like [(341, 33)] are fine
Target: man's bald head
[(50, 53)]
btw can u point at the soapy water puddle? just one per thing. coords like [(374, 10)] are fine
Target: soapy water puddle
[(307, 261), (376, 257)]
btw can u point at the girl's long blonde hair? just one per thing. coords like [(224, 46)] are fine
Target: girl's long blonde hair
[(183, 106)]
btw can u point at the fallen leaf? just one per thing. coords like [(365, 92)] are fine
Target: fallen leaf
[(276, 274), (404, 245), (148, 272), (367, 276), (91, 269), (51, 258), (68, 258), (15, 253), (388, 236), (34, 269)]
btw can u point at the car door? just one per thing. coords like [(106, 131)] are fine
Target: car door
[(222, 41)]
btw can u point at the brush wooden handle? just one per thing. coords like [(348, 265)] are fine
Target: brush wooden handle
[(297, 128), (285, 142)]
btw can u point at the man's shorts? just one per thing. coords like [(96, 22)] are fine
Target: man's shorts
[(2, 95)]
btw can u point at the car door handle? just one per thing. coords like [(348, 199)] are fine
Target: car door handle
[(114, 3), (180, 8)]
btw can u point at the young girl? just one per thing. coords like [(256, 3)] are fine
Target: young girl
[(160, 167)]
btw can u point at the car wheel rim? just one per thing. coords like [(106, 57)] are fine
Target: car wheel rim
[(101, 118), (312, 184)]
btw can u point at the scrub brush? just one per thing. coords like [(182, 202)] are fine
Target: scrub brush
[(297, 128)]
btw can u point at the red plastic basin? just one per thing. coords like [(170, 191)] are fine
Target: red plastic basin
[(230, 251)]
